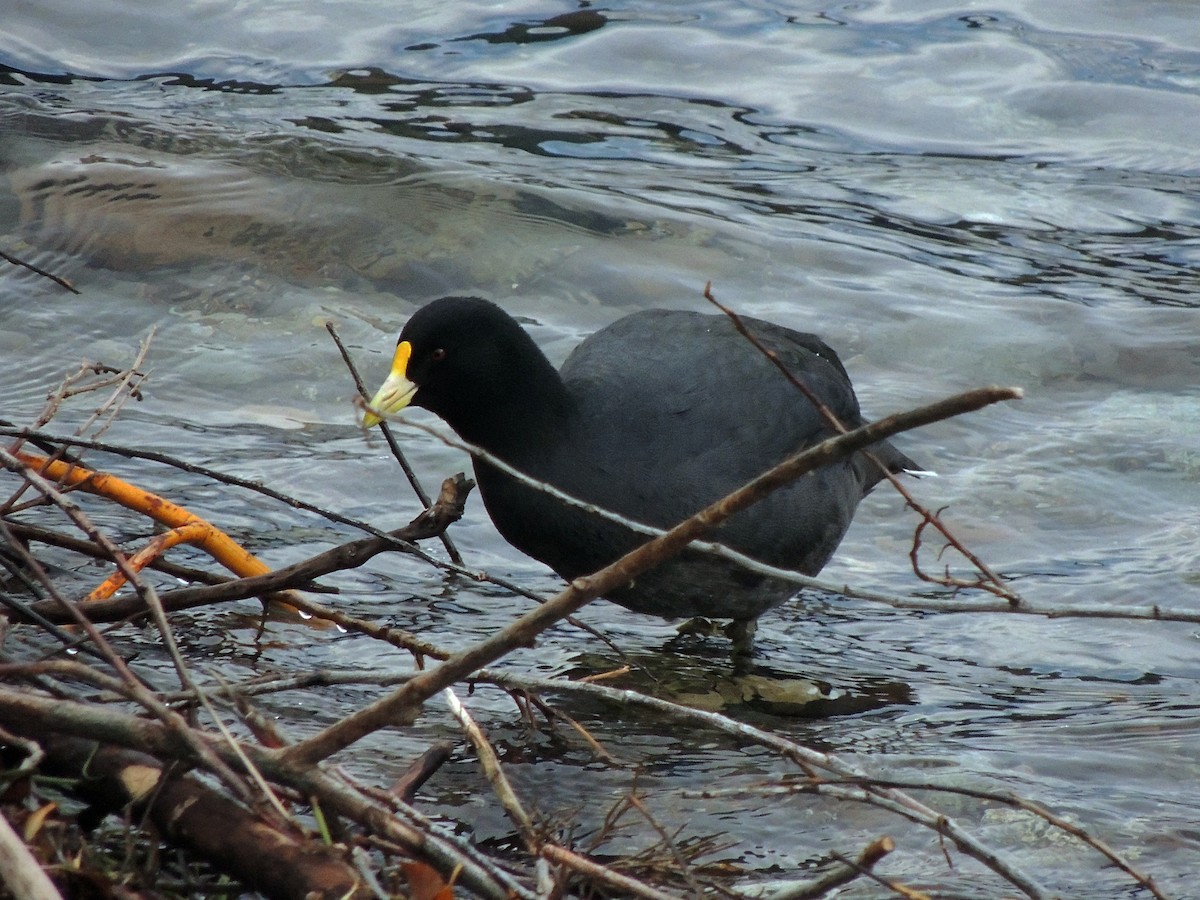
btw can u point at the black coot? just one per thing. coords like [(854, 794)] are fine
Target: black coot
[(653, 417)]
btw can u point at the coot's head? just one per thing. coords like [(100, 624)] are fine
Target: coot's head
[(462, 358)]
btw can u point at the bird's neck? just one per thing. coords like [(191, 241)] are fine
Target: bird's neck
[(520, 420)]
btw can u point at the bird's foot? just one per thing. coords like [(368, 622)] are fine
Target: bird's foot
[(739, 631), (697, 627)]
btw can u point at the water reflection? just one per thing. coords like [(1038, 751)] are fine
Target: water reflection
[(555, 28)]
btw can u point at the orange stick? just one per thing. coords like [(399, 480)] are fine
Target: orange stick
[(192, 529), (155, 547)]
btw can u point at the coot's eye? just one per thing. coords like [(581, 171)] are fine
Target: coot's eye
[(438, 355)]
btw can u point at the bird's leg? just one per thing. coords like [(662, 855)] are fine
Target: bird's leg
[(741, 632)]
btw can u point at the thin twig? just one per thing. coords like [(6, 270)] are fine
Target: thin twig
[(668, 841), (346, 556), (603, 874), (17, 261), (493, 771), (126, 384), (995, 584), (397, 453), (403, 704), (813, 888)]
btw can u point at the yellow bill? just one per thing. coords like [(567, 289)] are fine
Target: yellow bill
[(395, 392)]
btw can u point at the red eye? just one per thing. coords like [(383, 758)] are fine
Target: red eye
[(438, 355)]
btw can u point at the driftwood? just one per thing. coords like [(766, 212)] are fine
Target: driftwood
[(190, 814)]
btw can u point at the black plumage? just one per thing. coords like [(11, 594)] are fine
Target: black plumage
[(653, 417)]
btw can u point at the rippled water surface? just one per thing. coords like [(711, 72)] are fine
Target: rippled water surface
[(951, 194)]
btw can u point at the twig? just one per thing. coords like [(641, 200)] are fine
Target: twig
[(24, 612), (454, 858), (994, 583), (1149, 612), (406, 786), (448, 509), (493, 771), (33, 758), (588, 738), (28, 532), (71, 386), (192, 469), (16, 261), (812, 888), (127, 383), (603, 874), (397, 453), (204, 535), (402, 705), (20, 871), (668, 841), (266, 793)]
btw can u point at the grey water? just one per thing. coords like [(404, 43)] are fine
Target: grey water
[(951, 194)]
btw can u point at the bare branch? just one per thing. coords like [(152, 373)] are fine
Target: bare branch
[(493, 771), (403, 704), (20, 871), (814, 888), (990, 580), (397, 453), (428, 523), (17, 261)]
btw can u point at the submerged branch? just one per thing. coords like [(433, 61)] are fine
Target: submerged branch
[(57, 279)]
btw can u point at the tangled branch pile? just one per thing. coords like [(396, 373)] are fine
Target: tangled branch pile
[(197, 766)]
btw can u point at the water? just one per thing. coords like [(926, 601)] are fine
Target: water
[(951, 195)]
